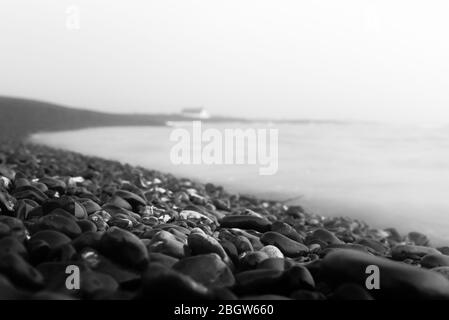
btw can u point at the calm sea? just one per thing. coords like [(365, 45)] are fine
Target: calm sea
[(387, 175)]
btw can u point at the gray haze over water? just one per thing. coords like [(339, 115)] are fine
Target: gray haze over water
[(386, 175)]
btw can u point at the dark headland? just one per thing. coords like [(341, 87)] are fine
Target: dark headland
[(135, 233)]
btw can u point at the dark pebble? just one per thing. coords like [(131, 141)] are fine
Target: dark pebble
[(87, 226), (207, 269), (54, 184), (20, 272), (288, 247), (325, 236), (160, 283), (251, 260), (287, 230), (201, 244), (60, 223), (402, 252), (124, 247), (279, 264), (418, 239), (97, 285), (298, 277), (246, 222), (166, 260), (435, 260), (16, 226), (53, 238), (13, 245), (165, 242), (261, 281), (396, 279), (87, 239), (133, 199)]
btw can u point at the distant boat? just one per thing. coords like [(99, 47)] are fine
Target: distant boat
[(195, 113)]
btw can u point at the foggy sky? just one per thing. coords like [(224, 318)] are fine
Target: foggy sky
[(348, 59)]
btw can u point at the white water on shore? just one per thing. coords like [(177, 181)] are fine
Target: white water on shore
[(386, 175)]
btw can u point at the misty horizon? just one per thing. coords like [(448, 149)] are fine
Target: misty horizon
[(383, 61)]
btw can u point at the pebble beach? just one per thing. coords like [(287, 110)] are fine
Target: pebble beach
[(135, 233)]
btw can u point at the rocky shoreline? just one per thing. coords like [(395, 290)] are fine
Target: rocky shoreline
[(141, 234)]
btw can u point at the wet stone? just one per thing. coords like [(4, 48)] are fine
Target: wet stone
[(324, 236), (99, 221), (160, 283), (87, 239), (16, 227), (273, 263), (23, 209), (32, 194), (53, 238), (393, 235), (272, 252), (163, 259), (242, 244), (7, 203), (166, 243), (202, 244), (207, 269), (97, 285), (38, 250), (11, 244), (444, 271), (287, 246), (298, 277), (251, 260), (54, 184), (260, 281), (444, 250), (8, 291), (90, 206), (60, 223), (87, 226), (120, 202), (418, 239), (66, 203), (402, 252), (133, 199), (65, 252), (397, 279), (435, 260), (5, 230), (286, 230), (246, 222), (374, 246), (124, 247), (20, 272), (230, 250)]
